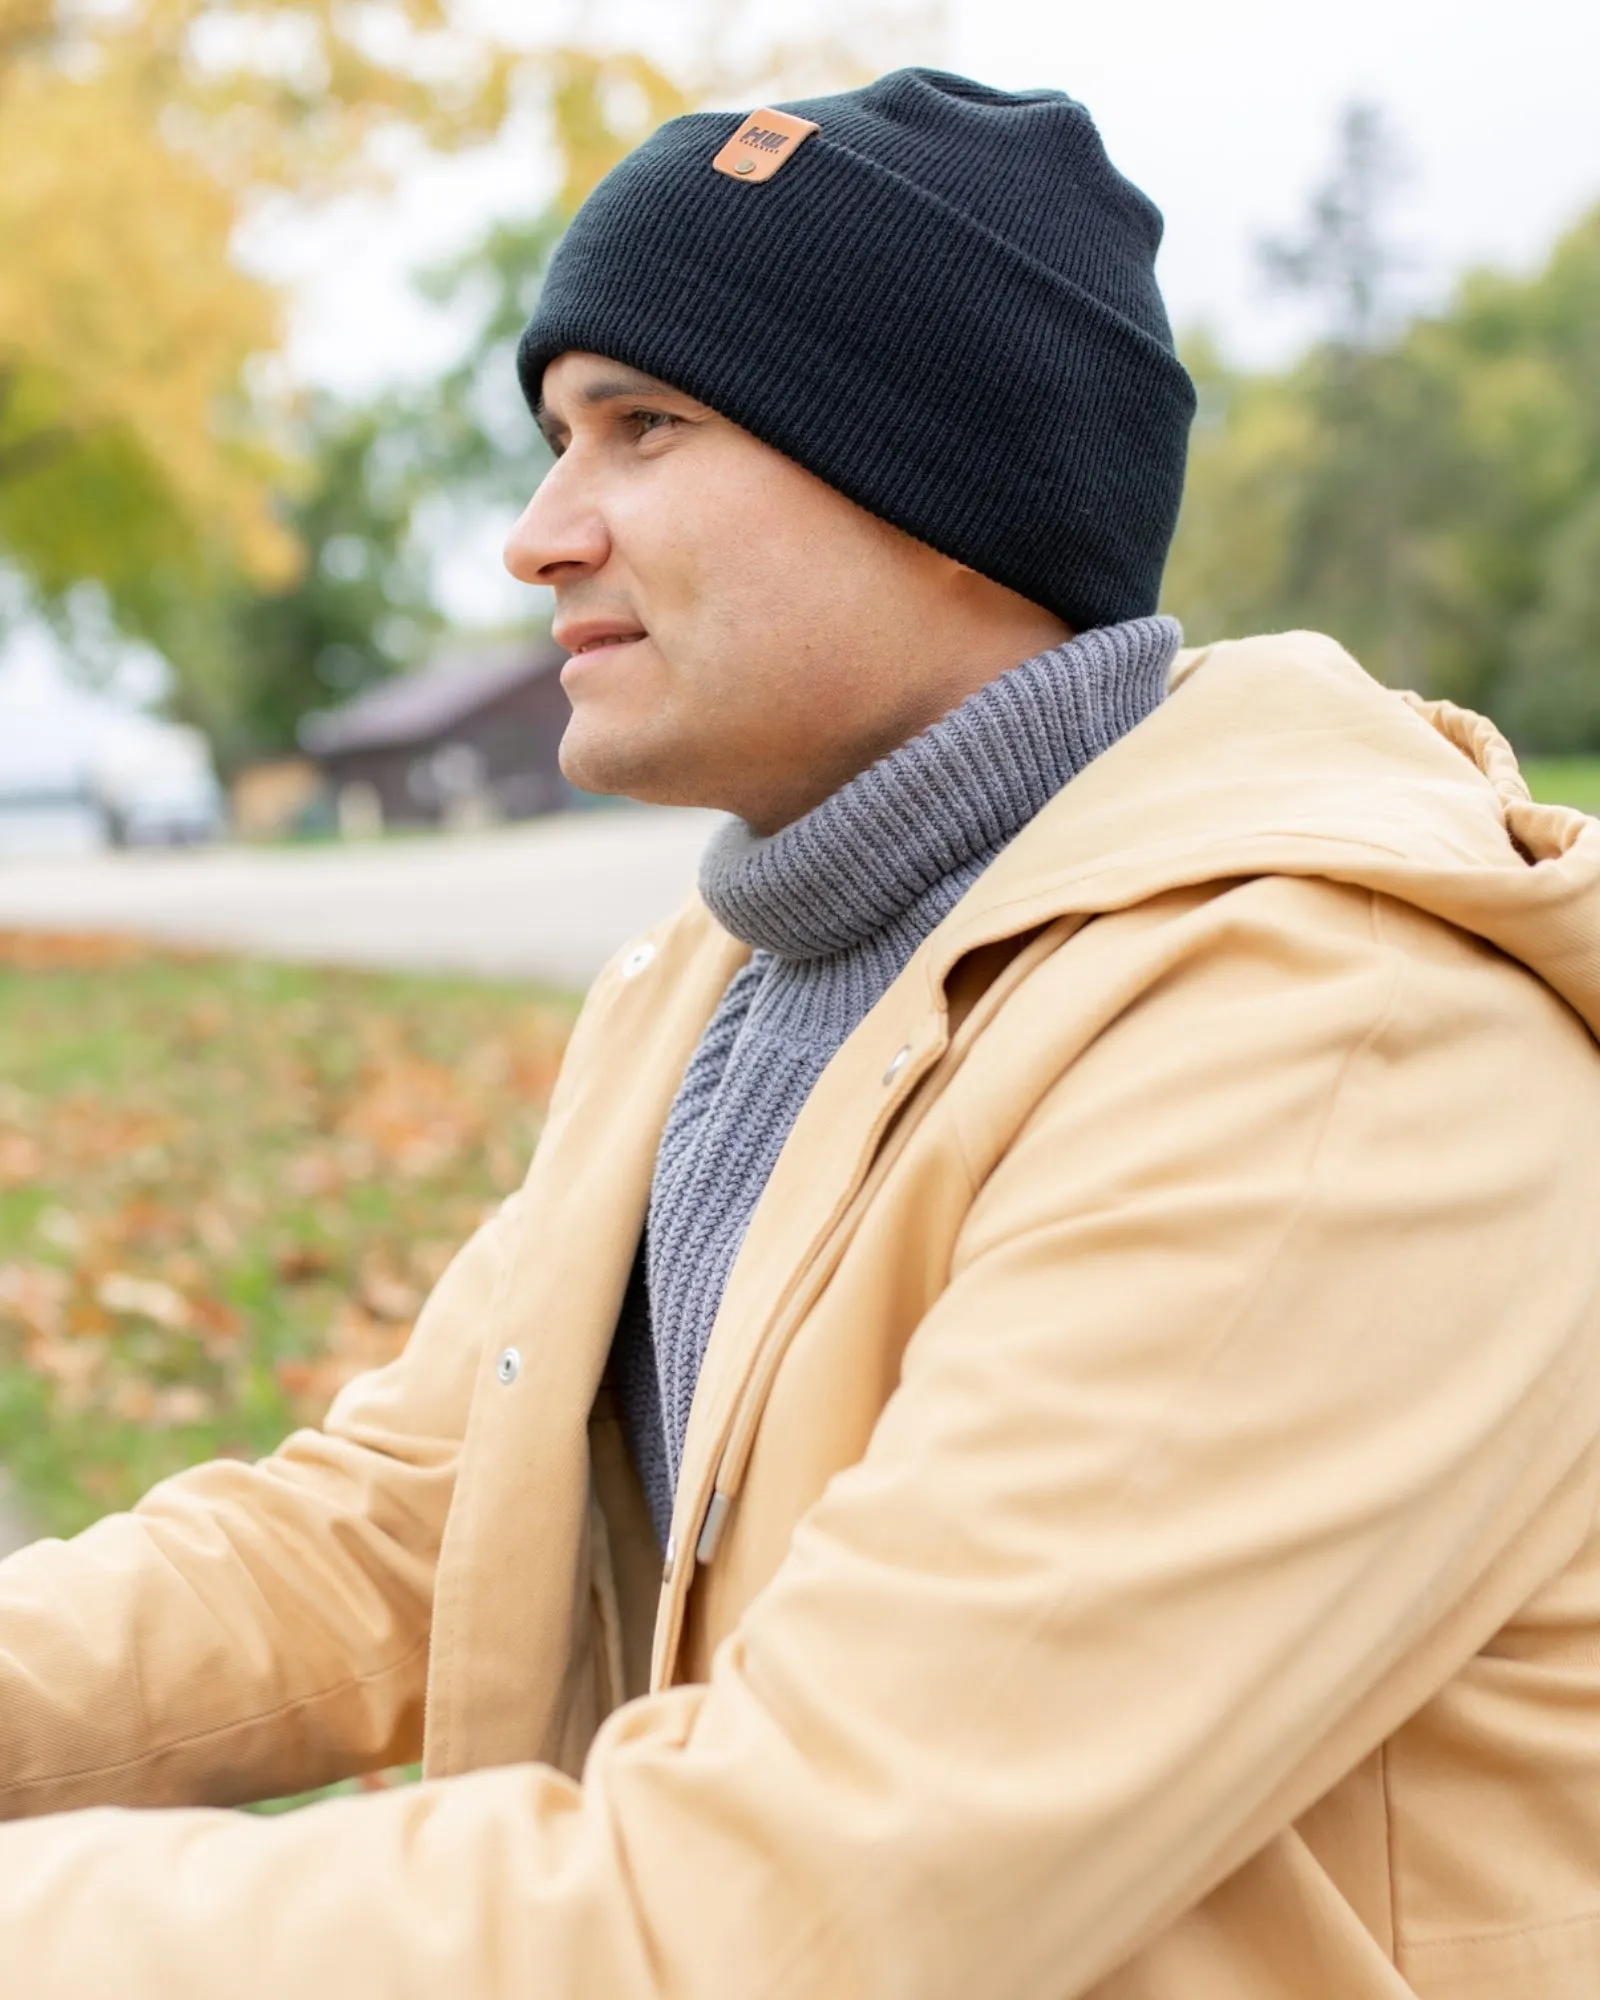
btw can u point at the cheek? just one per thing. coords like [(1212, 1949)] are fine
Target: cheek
[(711, 566), (767, 574), (672, 539), (768, 596)]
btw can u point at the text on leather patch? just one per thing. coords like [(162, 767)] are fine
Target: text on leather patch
[(762, 144)]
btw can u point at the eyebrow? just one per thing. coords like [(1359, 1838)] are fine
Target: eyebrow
[(606, 389)]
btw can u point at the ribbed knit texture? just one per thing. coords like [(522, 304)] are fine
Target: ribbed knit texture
[(943, 304), (835, 904)]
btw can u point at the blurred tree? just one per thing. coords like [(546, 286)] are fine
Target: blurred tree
[(1429, 492), (1347, 549), (471, 428), (131, 140), (1344, 254), (358, 610), (1524, 595)]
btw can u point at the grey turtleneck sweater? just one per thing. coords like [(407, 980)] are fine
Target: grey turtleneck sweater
[(834, 906)]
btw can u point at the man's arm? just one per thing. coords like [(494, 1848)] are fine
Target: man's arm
[(1265, 1386), (250, 1629)]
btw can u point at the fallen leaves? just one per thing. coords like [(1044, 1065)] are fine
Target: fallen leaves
[(119, 1292), (21, 1159), (133, 1400), (387, 1295), (35, 1295), (226, 1189), (299, 1263), (74, 951), (358, 1341)]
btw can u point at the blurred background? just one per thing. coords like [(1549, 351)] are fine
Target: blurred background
[(294, 902)]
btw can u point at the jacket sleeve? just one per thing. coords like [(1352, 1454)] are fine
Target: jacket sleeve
[(1267, 1343), (302, 1585)]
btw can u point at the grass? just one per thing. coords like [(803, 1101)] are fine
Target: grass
[(225, 1188), (1565, 781)]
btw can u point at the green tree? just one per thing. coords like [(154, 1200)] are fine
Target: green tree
[(1280, 525), (1427, 490), (1528, 354), (357, 611)]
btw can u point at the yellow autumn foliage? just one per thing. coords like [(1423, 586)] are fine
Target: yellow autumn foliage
[(132, 141), (135, 138), (602, 106), (119, 308)]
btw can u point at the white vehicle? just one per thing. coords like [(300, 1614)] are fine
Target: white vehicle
[(154, 785), (79, 772)]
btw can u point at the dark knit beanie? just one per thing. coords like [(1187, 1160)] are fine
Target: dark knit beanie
[(942, 302)]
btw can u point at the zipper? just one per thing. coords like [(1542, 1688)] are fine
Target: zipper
[(710, 1504), (730, 1456)]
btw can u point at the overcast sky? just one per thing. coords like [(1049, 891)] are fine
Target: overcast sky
[(1223, 111)]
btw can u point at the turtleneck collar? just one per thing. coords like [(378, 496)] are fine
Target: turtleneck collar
[(948, 799)]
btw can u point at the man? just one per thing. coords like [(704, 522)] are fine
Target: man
[(1035, 1427)]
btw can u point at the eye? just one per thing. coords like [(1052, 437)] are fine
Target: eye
[(645, 422)]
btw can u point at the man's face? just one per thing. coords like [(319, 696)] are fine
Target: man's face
[(742, 636)]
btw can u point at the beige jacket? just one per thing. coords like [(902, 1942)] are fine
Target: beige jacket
[(1138, 1529)]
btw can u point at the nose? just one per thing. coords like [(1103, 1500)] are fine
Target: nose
[(560, 534)]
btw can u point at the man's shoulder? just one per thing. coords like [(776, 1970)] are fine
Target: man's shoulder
[(1280, 757)]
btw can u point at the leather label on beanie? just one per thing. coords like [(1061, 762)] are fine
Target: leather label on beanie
[(762, 144)]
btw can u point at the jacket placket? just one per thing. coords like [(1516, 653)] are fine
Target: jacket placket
[(876, 1091)]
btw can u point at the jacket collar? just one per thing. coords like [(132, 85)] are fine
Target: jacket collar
[(1281, 755)]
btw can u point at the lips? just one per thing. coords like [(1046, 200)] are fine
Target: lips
[(592, 635), (595, 645)]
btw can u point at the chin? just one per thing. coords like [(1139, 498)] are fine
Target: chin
[(612, 764)]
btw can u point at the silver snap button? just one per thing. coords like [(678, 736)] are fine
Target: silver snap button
[(901, 1058), (509, 1366), (637, 960)]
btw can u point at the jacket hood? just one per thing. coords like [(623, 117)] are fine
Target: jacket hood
[(1280, 755)]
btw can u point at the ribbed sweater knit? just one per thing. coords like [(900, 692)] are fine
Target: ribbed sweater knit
[(834, 905)]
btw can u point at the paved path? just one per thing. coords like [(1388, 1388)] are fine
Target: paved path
[(548, 901)]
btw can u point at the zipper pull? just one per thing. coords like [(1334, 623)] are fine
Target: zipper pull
[(711, 1528)]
